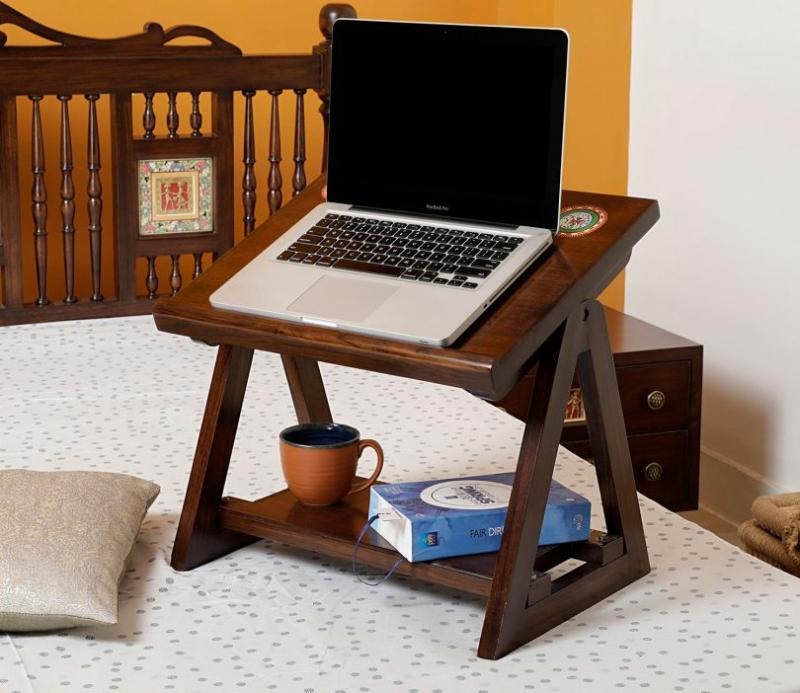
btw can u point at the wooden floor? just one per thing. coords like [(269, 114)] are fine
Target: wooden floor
[(713, 523)]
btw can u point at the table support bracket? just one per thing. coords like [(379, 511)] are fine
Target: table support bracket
[(523, 601), (513, 618)]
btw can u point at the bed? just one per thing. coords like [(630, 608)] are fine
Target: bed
[(115, 395)]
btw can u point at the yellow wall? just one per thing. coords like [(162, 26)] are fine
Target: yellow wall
[(596, 140), (597, 116)]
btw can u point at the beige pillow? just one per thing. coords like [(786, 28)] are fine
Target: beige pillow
[(64, 541)]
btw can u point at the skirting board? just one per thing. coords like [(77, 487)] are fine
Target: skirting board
[(727, 489)]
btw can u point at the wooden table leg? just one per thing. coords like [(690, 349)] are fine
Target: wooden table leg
[(200, 539), (610, 451), (517, 611), (307, 388)]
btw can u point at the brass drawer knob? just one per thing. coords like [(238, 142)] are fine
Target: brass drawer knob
[(656, 400), (653, 471)]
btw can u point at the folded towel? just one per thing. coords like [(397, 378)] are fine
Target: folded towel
[(761, 544), (780, 516)]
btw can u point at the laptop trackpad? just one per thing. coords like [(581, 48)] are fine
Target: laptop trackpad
[(340, 298)]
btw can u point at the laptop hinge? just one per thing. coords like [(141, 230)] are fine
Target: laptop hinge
[(433, 217)]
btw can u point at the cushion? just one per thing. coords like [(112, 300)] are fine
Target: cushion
[(64, 541)]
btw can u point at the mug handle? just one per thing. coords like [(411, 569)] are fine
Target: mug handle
[(363, 445)]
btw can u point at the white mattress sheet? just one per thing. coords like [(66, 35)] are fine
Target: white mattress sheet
[(116, 395)]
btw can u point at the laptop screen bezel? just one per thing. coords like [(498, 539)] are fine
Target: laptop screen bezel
[(542, 213)]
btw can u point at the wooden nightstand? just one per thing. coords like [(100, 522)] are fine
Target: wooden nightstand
[(660, 382)]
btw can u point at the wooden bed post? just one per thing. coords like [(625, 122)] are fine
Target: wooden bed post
[(10, 241), (327, 16)]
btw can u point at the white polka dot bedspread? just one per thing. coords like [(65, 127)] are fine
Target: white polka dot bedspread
[(116, 395)]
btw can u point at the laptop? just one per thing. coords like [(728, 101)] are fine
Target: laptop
[(444, 182)]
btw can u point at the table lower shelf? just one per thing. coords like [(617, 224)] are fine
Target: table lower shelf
[(333, 530)]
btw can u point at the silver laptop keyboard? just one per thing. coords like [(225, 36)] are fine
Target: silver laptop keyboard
[(436, 255)]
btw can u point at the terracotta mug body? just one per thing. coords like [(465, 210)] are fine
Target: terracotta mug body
[(319, 462)]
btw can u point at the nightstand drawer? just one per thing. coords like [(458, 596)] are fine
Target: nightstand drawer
[(655, 397), (660, 466)]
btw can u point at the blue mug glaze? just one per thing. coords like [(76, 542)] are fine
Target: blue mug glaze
[(320, 436)]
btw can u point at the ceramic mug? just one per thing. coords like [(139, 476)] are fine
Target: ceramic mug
[(319, 461)]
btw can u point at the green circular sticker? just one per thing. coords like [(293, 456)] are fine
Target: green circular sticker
[(581, 219)]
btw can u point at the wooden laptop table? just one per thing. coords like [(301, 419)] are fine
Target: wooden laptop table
[(549, 320)]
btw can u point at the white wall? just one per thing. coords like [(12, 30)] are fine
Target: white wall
[(715, 137)]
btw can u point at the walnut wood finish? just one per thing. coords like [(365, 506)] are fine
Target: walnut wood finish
[(275, 181), (39, 202), (149, 116), (126, 193), (200, 537), (151, 280), (147, 63), (663, 466), (307, 390), (609, 442), (664, 442), (67, 202), (249, 160), (511, 617), (198, 265), (508, 600), (551, 320), (173, 119), (94, 190), (334, 530), (175, 72), (196, 118), (175, 278), (222, 127), (487, 360), (85, 310), (299, 175), (10, 234)]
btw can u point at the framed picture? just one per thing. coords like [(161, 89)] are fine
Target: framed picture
[(575, 413), (175, 196)]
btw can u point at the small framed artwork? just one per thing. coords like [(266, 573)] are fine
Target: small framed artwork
[(575, 413), (175, 196)]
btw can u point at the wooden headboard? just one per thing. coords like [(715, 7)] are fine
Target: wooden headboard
[(172, 195)]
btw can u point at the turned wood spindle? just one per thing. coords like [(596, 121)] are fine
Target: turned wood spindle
[(275, 181), (173, 120), (39, 202), (175, 279), (94, 190), (151, 281), (196, 118), (299, 176), (67, 202), (149, 116), (249, 159), (198, 265)]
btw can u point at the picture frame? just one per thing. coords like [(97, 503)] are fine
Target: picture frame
[(176, 196)]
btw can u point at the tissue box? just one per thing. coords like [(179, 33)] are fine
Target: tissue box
[(426, 520)]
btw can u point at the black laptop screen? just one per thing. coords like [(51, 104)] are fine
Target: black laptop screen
[(461, 122)]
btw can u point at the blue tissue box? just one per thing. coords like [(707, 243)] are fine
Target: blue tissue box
[(426, 520)]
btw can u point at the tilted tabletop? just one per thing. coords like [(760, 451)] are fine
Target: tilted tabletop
[(492, 354)]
